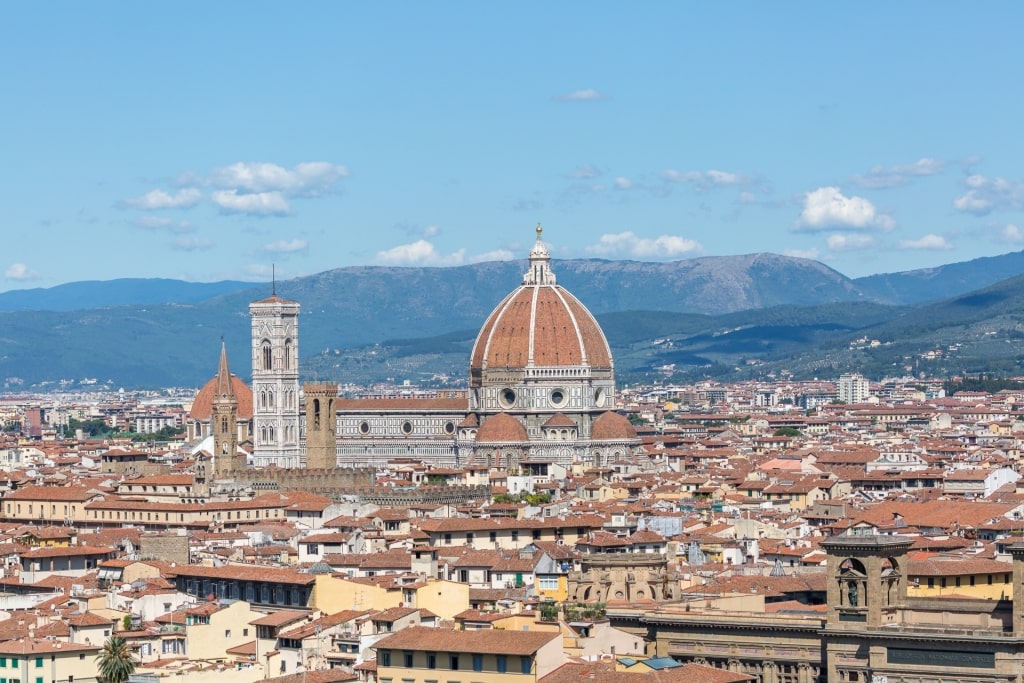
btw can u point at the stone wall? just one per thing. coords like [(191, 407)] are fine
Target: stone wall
[(165, 547)]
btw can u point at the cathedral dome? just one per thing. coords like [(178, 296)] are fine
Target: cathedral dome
[(611, 426), (502, 428), (539, 325), (202, 406)]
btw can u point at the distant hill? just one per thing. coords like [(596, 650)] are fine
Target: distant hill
[(704, 316), (77, 296), (943, 282)]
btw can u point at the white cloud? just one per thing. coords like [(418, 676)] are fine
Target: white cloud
[(893, 176), (931, 241), (19, 271), (286, 246), (622, 183), (1012, 234), (811, 253), (496, 255), (629, 244), (584, 172), (158, 199), (309, 178), (849, 242), (418, 253), (584, 95), (165, 224), (827, 208), (705, 180), (257, 203), (192, 243), (987, 194), (746, 197), (431, 231)]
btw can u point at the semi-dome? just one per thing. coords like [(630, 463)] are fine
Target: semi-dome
[(611, 426), (202, 405), (502, 428), (539, 325)]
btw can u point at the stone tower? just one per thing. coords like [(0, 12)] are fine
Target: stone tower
[(275, 382), (867, 579), (321, 420), (867, 592), (224, 421)]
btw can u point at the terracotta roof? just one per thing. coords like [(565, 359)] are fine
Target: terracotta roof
[(202, 405), (447, 405), (611, 426), (279, 618), (540, 325), (559, 420), (322, 676), (522, 643), (502, 428)]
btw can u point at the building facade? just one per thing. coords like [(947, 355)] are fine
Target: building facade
[(275, 382)]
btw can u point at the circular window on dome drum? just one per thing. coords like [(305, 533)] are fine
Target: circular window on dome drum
[(449, 427), (507, 397), (599, 398), (558, 397), (364, 427), (407, 427)]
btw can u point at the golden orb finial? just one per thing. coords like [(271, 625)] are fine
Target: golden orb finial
[(539, 230)]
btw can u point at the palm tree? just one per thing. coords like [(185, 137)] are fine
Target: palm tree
[(115, 661)]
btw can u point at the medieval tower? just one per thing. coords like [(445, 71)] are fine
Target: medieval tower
[(275, 382), (224, 421), (321, 421)]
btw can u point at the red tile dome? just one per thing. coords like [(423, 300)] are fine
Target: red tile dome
[(502, 428), (202, 406), (611, 426), (540, 324)]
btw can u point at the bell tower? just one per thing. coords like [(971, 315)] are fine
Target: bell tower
[(224, 421), (275, 381), (321, 421), (867, 579)]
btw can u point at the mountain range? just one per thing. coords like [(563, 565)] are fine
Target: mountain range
[(729, 317)]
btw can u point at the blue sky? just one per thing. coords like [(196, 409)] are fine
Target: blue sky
[(208, 141)]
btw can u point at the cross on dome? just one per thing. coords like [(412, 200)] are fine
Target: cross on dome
[(540, 263)]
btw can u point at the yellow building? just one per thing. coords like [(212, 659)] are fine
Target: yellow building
[(33, 660), (419, 654), (967, 577), (332, 594), (213, 628)]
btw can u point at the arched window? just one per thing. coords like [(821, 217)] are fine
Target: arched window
[(316, 413), (287, 354), (268, 357), (223, 425)]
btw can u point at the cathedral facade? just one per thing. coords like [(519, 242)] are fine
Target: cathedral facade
[(541, 389)]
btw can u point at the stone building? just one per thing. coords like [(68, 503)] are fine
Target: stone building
[(275, 382), (869, 629), (541, 388)]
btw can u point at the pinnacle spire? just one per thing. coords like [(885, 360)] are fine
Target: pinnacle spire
[(540, 263), (224, 388)]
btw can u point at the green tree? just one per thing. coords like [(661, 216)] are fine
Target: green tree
[(115, 661), (787, 431)]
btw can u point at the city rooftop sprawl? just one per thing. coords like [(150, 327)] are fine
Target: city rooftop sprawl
[(541, 525)]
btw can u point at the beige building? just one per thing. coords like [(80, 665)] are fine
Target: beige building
[(332, 594), (423, 655), (214, 628), (37, 660)]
